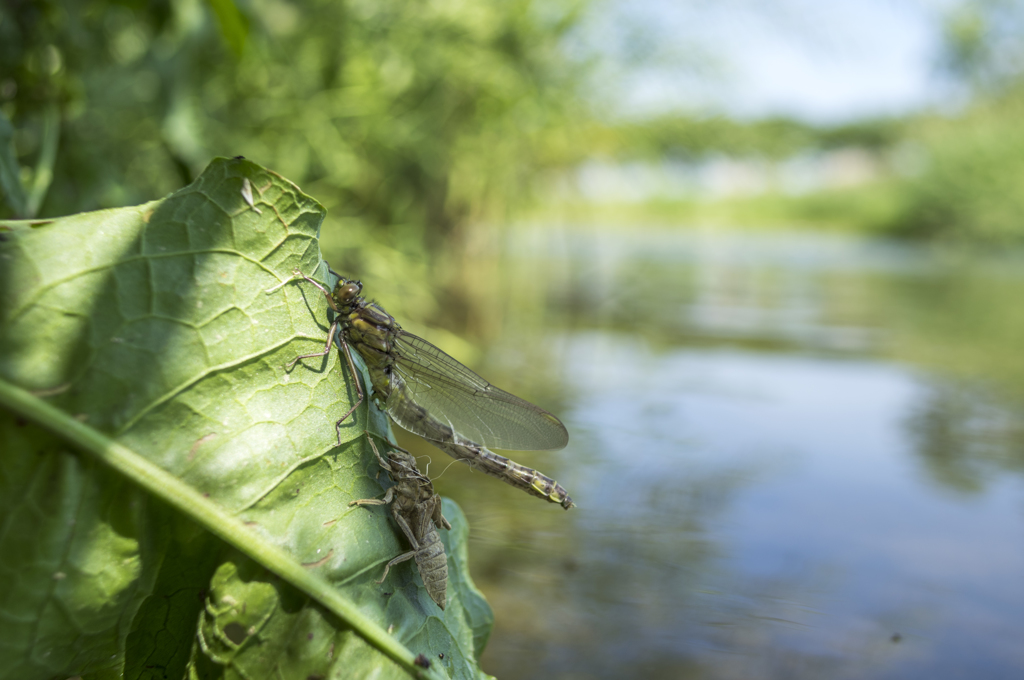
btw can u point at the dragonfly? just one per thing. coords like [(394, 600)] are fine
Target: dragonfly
[(417, 511), (430, 394)]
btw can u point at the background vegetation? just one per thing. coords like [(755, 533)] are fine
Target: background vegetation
[(408, 121), (413, 122), (424, 127)]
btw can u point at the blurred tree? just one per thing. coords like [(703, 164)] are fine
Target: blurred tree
[(981, 44), (972, 188)]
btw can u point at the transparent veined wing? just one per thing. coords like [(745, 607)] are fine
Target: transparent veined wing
[(432, 385)]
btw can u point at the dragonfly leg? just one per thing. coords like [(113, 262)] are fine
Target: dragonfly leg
[(330, 333), (327, 348), (431, 515), (375, 501), (403, 524), (383, 463), (359, 387), (435, 514), (401, 558), (327, 293), (386, 465), (390, 444)]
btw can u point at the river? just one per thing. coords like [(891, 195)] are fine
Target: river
[(794, 455)]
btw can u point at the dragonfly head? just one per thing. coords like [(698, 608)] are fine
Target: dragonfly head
[(346, 291)]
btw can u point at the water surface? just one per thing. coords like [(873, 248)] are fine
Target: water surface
[(794, 456)]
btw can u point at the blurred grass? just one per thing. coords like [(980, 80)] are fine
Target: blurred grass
[(867, 208)]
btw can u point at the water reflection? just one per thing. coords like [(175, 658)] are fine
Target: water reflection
[(968, 435), (783, 467)]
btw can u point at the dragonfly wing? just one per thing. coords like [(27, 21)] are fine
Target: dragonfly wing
[(430, 385)]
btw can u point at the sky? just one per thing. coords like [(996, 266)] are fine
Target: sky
[(824, 62)]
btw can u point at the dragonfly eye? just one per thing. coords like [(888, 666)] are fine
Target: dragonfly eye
[(349, 290)]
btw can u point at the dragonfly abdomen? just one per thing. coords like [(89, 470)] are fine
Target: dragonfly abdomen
[(432, 563), (509, 471)]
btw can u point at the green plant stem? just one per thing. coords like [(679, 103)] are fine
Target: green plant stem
[(11, 190), (43, 175), (210, 515)]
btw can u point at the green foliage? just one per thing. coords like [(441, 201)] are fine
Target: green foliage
[(972, 188), (411, 122), (404, 117), (868, 208), (166, 328)]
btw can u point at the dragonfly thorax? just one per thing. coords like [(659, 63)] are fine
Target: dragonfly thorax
[(368, 338)]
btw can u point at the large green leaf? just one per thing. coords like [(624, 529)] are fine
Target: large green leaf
[(210, 534)]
